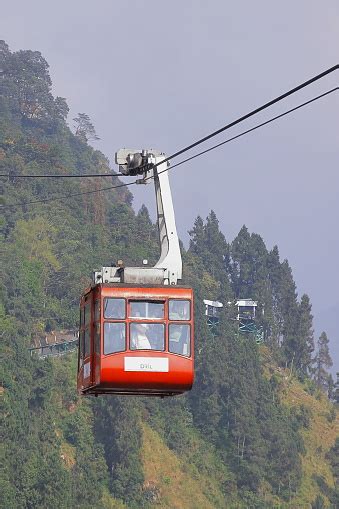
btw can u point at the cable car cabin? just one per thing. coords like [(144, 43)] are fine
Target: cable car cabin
[(136, 340), (212, 311), (136, 324), (246, 309)]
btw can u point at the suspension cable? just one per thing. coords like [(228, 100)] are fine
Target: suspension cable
[(54, 198), (246, 132), (233, 123)]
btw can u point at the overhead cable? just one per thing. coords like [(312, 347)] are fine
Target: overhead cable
[(63, 197), (247, 131), (59, 176), (181, 162), (222, 129), (251, 113)]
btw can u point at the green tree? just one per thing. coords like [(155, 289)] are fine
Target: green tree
[(323, 361), (209, 244), (319, 503), (84, 129), (117, 428), (336, 389), (299, 344)]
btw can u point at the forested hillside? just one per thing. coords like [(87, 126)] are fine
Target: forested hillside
[(258, 429)]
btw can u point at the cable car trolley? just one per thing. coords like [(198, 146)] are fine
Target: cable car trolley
[(136, 323)]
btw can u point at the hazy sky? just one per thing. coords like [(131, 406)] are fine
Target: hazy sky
[(161, 74)]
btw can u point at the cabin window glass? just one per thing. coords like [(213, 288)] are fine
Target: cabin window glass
[(213, 311), (87, 343), (97, 310), (82, 317), (246, 311), (115, 309), (179, 309), (87, 314), (114, 337), (180, 339), (147, 336), (81, 349), (97, 338), (147, 309)]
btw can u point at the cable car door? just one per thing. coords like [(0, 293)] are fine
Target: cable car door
[(96, 343), (87, 334)]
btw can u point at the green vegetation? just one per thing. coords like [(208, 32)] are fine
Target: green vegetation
[(248, 435)]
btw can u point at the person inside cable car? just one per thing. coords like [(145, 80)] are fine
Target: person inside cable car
[(139, 337), (179, 310), (179, 336)]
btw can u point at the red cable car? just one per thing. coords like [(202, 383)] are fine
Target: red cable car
[(136, 324), (136, 340)]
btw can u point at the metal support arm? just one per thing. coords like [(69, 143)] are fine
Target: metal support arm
[(168, 269), (170, 256)]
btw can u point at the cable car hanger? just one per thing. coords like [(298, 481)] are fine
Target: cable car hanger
[(137, 323), (168, 269)]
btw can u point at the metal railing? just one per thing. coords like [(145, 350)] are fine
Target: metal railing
[(55, 349)]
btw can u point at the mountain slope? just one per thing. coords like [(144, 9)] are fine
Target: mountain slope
[(237, 440)]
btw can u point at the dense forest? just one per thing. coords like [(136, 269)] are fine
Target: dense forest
[(258, 429)]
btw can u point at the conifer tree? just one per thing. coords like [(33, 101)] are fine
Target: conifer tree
[(241, 268), (208, 243), (276, 319), (197, 235), (330, 387), (323, 361), (336, 389), (299, 345), (288, 305)]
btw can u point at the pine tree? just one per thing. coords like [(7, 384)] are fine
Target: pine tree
[(330, 387), (336, 389), (197, 234), (276, 319), (241, 267), (323, 362), (299, 343), (288, 305), (209, 244)]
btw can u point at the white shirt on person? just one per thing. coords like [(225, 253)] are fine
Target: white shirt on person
[(140, 341)]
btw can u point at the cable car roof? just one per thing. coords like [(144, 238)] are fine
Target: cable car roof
[(246, 302), (214, 303)]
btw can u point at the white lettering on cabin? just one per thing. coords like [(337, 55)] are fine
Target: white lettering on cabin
[(146, 366), (155, 364)]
